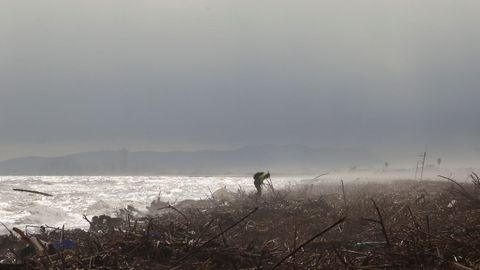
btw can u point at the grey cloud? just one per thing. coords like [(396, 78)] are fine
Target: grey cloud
[(225, 73)]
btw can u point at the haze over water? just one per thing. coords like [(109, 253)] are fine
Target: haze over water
[(75, 196)]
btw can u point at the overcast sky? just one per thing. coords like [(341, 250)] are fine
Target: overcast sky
[(390, 76)]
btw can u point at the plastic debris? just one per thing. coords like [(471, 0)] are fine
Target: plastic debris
[(66, 244)]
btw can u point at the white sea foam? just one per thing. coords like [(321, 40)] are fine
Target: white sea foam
[(75, 196)]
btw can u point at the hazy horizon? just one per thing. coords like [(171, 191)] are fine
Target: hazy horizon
[(386, 76)]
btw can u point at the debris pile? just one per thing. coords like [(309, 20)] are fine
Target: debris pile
[(395, 225)]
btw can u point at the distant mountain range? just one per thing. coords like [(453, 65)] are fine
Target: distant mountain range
[(281, 159)]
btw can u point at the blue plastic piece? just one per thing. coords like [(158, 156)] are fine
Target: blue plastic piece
[(66, 244)]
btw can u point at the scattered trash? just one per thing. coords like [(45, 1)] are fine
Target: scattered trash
[(368, 244), (27, 251), (223, 195), (104, 223), (452, 203), (384, 229), (66, 244)]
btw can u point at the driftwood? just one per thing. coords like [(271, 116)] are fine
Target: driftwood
[(33, 241), (33, 191), (9, 231), (386, 228), (216, 236), (308, 241), (380, 221)]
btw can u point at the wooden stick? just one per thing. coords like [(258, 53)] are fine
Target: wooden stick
[(384, 231), (33, 191), (11, 233), (215, 237), (230, 227), (465, 193), (295, 239), (34, 242), (176, 210), (308, 241), (457, 266), (412, 216), (344, 197), (323, 174)]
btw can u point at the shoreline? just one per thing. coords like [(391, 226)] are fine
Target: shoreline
[(246, 231)]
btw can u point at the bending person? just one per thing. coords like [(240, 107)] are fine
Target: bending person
[(259, 177)]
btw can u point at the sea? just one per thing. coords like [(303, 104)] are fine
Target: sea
[(75, 196)]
